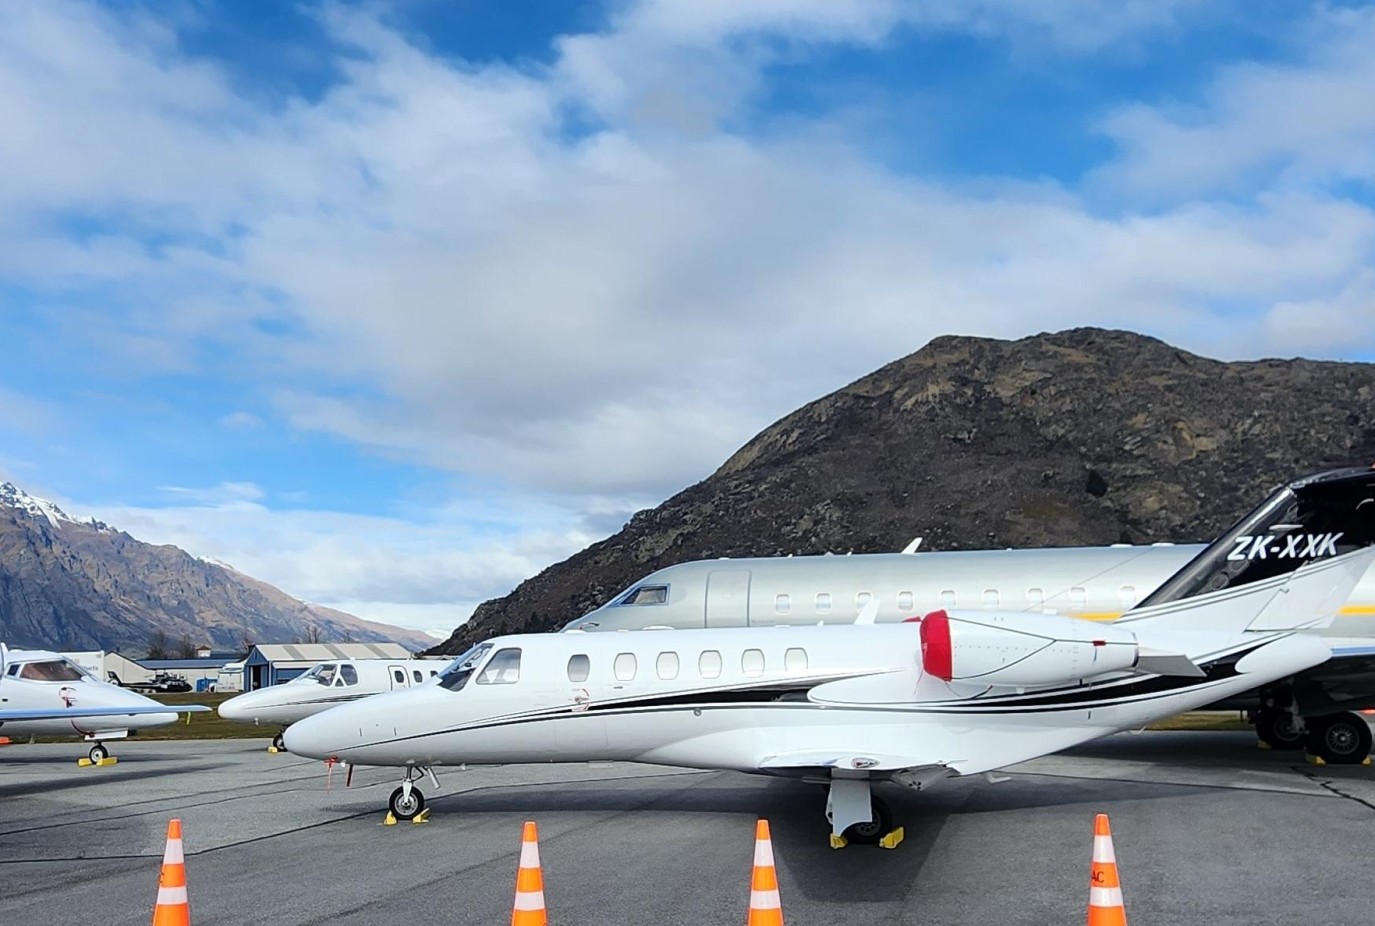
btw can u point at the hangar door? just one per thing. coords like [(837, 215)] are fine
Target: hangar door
[(728, 598)]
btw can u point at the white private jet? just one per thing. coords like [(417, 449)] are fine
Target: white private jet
[(953, 693), (46, 693), (326, 685), (1318, 709)]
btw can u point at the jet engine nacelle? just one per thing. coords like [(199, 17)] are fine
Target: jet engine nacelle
[(1022, 649)]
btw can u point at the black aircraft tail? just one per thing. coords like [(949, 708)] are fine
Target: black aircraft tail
[(1308, 521)]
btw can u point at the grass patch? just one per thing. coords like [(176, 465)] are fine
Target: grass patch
[(1203, 720), (202, 726)]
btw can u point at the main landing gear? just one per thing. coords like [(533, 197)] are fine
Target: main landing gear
[(1339, 739), (278, 744), (1335, 739), (859, 817), (407, 802)]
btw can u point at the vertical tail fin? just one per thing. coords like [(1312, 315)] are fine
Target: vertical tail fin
[(1289, 564)]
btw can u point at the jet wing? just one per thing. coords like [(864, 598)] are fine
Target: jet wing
[(76, 713)]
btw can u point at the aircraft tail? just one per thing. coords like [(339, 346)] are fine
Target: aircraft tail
[(1289, 564)]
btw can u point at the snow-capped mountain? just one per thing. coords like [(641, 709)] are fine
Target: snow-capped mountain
[(14, 497), (78, 584)]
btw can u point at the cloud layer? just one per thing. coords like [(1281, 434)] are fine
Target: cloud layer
[(593, 279)]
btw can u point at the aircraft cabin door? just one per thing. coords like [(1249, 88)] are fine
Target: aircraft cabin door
[(728, 598), (399, 679)]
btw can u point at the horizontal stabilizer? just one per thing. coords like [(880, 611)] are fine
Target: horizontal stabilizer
[(1159, 662)]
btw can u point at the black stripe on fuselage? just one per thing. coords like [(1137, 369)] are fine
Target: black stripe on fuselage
[(779, 695)]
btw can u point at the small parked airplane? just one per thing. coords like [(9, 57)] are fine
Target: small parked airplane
[(325, 685), (952, 693), (46, 693)]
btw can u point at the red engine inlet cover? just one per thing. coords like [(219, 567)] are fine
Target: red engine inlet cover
[(937, 657)]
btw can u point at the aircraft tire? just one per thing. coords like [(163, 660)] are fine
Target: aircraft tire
[(879, 825), (279, 743), (1340, 739), (404, 809), (1278, 730), (98, 752)]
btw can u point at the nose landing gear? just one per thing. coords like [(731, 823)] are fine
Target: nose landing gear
[(98, 755), (407, 802)]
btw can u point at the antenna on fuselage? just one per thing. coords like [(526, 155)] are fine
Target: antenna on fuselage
[(912, 547)]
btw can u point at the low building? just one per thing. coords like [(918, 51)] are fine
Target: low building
[(274, 663)]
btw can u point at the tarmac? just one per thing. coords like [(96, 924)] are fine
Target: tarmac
[(1208, 829)]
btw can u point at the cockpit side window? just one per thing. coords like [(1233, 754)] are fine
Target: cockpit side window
[(646, 594), (502, 669), (349, 674), (457, 673), (56, 670)]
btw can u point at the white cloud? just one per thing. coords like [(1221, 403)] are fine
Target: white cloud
[(240, 420), (1339, 324), (426, 574), (459, 275), (1258, 126)]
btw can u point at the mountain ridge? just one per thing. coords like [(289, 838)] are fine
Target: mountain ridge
[(78, 583), (1084, 436)]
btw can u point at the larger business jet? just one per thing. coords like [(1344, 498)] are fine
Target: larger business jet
[(1317, 709), (953, 693), (47, 693)]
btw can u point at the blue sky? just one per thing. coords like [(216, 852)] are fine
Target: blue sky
[(394, 304)]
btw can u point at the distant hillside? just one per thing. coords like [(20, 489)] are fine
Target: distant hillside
[(80, 584), (1078, 437)]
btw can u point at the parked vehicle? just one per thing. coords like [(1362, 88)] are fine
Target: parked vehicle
[(162, 681)]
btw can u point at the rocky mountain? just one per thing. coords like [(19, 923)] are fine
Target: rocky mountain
[(1079, 437), (80, 584)]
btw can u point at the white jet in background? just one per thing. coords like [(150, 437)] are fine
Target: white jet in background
[(326, 685), (956, 693), (45, 693)]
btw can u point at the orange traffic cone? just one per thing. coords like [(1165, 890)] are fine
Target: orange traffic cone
[(529, 910), (765, 908), (172, 908), (1105, 891)]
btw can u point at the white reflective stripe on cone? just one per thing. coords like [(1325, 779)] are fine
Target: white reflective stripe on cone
[(1102, 849), (171, 896), (765, 900), (530, 900), (173, 852), (529, 855), (1105, 897), (763, 854)]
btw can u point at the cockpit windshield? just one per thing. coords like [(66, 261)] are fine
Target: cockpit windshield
[(323, 674), (457, 673), (53, 670), (645, 594)]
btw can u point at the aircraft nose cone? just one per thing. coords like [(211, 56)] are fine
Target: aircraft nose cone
[(317, 737), (239, 707)]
